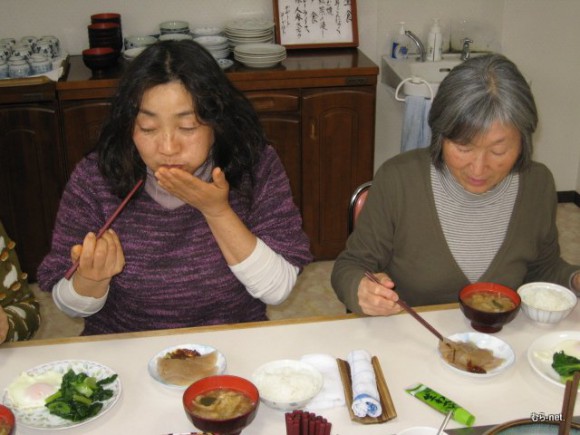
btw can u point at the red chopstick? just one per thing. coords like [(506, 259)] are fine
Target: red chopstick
[(107, 225)]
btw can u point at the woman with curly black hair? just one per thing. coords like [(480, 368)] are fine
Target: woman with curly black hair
[(212, 237)]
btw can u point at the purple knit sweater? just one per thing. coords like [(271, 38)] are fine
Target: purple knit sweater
[(175, 275)]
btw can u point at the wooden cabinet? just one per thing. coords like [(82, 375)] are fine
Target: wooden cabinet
[(325, 138), (337, 149), (81, 126), (279, 113), (31, 173)]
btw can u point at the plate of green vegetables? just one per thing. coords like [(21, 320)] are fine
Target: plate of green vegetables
[(556, 356), (88, 390)]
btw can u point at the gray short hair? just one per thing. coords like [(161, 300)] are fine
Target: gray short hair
[(476, 93)]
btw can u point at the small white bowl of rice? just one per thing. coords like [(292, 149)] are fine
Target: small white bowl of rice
[(546, 303), (287, 384)]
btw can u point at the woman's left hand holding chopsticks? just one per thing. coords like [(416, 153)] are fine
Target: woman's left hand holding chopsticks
[(99, 260)]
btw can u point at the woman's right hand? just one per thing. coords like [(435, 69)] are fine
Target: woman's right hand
[(99, 260), (378, 300)]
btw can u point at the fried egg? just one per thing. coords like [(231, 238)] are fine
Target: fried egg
[(570, 347), (30, 391)]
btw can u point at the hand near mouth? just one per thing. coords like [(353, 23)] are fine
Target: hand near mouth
[(210, 198)]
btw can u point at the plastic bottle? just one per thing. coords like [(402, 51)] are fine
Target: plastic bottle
[(399, 49), (435, 42)]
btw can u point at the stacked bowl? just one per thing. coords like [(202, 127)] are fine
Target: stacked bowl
[(105, 35), (250, 31), (217, 45), (105, 41), (260, 55), (174, 26)]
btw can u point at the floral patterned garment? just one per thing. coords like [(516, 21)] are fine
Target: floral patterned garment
[(16, 297)]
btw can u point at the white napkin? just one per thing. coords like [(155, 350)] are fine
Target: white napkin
[(331, 395), (366, 399)]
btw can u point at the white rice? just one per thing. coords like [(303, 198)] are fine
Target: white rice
[(286, 384), (546, 299)]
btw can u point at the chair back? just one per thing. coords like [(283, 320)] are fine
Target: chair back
[(357, 201)]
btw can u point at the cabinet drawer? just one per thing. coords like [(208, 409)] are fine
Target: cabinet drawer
[(274, 101)]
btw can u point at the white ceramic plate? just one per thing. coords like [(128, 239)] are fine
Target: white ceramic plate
[(541, 352), (250, 24), (40, 418), (207, 31), (201, 348), (499, 348), (260, 49), (211, 40)]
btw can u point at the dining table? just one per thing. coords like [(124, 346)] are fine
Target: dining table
[(407, 353)]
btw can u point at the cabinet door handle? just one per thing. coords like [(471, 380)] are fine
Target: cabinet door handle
[(313, 129)]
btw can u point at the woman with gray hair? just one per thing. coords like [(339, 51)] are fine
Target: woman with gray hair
[(473, 207)]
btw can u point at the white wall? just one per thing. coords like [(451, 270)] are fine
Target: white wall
[(542, 38), (539, 35)]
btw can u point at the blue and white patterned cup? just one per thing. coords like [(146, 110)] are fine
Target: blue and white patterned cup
[(22, 49), (8, 41), (30, 40), (4, 54), (54, 43), (18, 67), (3, 69), (45, 48), (40, 64)]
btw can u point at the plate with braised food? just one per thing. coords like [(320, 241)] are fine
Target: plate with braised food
[(476, 354), (62, 394), (181, 365)]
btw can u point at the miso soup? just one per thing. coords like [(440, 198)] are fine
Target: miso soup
[(221, 404), (491, 302)]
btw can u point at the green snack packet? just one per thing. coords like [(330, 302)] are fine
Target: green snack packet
[(441, 403)]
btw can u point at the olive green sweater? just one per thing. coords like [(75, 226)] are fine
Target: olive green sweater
[(399, 233), (16, 297)]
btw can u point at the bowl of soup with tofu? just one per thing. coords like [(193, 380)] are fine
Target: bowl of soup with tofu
[(223, 404), (489, 306)]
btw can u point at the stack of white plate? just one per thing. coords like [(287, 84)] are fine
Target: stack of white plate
[(250, 31), (217, 45), (260, 55), (174, 26)]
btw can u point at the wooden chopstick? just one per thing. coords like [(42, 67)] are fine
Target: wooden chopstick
[(409, 310), (568, 406), (107, 225)]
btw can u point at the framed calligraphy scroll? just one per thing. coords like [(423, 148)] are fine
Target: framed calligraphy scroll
[(316, 23)]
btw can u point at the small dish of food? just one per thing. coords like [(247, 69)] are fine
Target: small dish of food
[(221, 404), (480, 355), (287, 384), (181, 365), (489, 306), (546, 303)]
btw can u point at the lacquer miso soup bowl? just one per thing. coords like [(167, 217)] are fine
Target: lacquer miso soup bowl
[(489, 306), (222, 404)]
